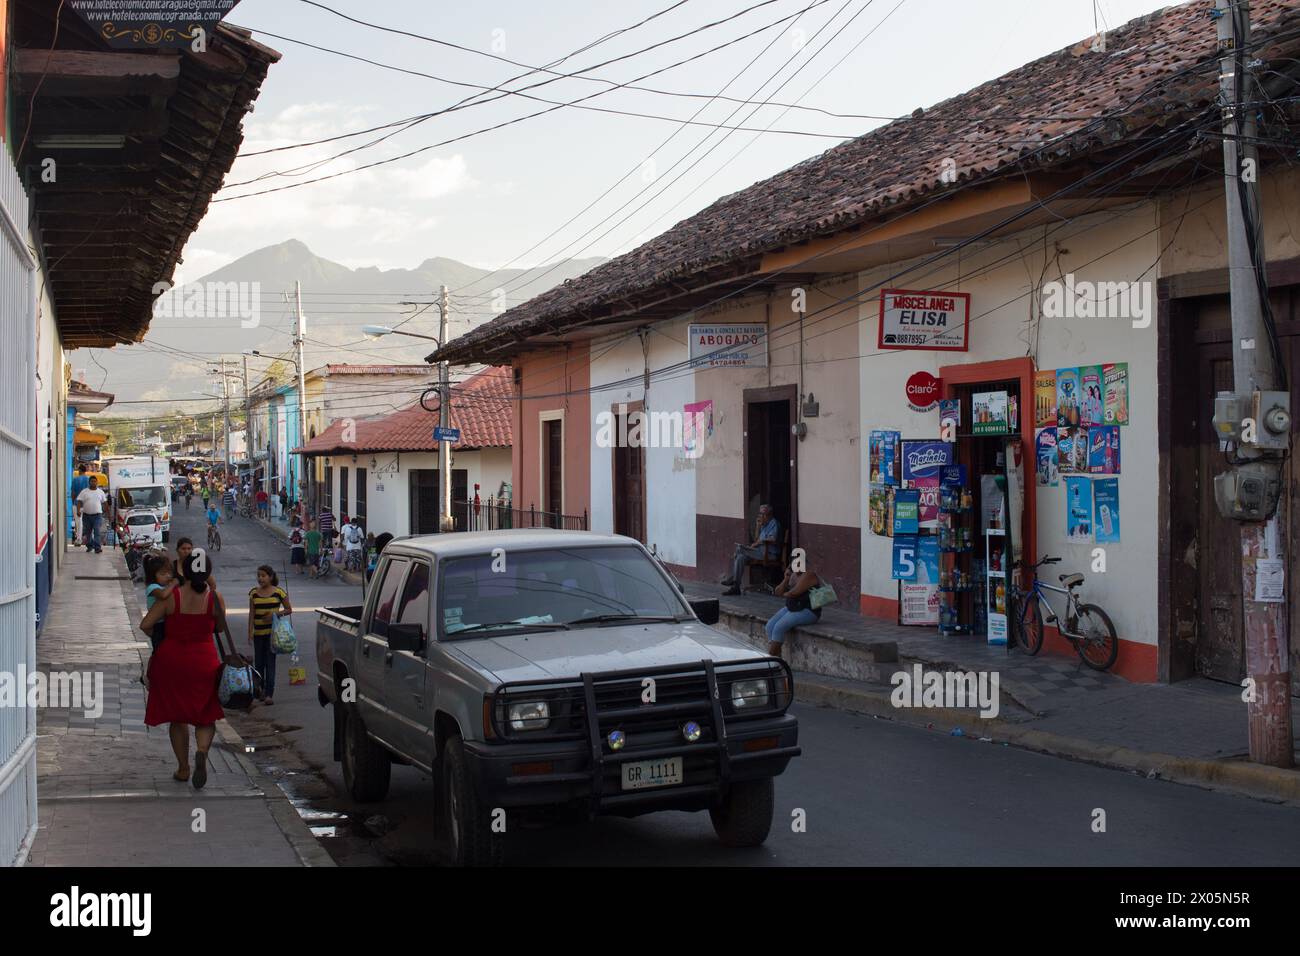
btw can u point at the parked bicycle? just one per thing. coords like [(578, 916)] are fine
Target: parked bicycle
[(246, 508), (324, 564), (1087, 627)]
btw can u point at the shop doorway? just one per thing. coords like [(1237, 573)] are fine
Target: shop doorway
[(771, 458), (1208, 638), (425, 501), (629, 476), (553, 468)]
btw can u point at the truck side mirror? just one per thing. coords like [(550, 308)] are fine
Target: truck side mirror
[(706, 609), (406, 637)]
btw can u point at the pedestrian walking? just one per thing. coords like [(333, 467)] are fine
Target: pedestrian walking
[(284, 500), (230, 499), (297, 549), (90, 510), (265, 601), (183, 671), (353, 540), (312, 539), (325, 521), (263, 502)]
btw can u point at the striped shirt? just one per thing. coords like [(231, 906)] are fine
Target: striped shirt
[(263, 608), (326, 522)]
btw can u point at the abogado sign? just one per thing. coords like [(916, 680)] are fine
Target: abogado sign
[(911, 319), (137, 24), (728, 346)]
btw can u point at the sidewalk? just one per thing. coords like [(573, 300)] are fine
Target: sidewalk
[(105, 791), (1194, 730)]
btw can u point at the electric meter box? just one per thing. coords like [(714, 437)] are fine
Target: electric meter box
[(1272, 414), (1230, 410), (1248, 492)]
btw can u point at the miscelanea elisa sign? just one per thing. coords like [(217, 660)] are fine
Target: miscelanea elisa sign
[(922, 392), (910, 319)]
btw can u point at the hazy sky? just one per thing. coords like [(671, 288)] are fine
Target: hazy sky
[(490, 199)]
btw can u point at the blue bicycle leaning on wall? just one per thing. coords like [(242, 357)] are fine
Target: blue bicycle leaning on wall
[(1086, 626)]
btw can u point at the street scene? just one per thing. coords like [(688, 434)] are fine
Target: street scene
[(798, 434)]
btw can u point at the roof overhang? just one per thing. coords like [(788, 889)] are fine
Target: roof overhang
[(121, 153)]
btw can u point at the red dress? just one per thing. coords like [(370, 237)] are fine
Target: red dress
[(183, 671)]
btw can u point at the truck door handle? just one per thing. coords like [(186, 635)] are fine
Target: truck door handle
[(365, 650), (388, 658)]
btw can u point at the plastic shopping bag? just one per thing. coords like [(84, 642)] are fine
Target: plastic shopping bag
[(283, 639), (297, 673)]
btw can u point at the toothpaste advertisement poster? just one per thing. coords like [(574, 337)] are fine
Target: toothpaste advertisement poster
[(1116, 382)]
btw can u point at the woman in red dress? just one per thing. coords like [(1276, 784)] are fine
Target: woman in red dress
[(183, 671)]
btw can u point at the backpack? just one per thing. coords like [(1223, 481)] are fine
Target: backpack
[(295, 538)]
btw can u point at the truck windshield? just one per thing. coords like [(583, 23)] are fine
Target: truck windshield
[(151, 497), (527, 590)]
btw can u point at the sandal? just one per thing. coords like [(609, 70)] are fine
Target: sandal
[(200, 769)]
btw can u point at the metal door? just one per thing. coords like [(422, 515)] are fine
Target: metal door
[(17, 516)]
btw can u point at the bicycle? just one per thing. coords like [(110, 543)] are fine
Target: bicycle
[(1087, 627), (214, 538), (324, 564), (246, 509)]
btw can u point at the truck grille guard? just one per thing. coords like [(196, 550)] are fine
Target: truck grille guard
[(591, 707)]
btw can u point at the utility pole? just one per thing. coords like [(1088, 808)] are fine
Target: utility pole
[(445, 520), (302, 388), (225, 407), (1256, 417)]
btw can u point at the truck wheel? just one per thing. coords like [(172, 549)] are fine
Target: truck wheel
[(745, 816), (366, 767), (466, 822)]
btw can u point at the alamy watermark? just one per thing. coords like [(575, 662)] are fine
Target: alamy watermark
[(652, 429), (950, 689), (210, 300), (62, 690), (1068, 299)]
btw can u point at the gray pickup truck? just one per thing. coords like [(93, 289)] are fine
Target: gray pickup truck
[(536, 672)]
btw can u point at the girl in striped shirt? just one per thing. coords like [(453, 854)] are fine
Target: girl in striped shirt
[(264, 601)]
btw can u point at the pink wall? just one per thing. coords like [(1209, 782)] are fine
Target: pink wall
[(554, 379)]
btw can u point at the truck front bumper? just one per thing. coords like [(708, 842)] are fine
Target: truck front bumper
[(563, 773)]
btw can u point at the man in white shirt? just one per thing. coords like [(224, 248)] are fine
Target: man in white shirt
[(90, 509), (353, 539)]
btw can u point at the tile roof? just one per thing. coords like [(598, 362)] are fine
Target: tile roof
[(1037, 116), (481, 407)]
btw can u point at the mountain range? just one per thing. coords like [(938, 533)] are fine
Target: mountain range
[(172, 362)]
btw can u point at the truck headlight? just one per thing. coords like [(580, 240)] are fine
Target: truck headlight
[(534, 715), (750, 694)]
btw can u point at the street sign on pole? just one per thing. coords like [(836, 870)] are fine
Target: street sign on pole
[(446, 434)]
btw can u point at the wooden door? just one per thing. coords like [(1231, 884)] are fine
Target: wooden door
[(1220, 651), (629, 480), (554, 467)]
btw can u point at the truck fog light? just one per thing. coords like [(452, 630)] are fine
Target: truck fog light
[(616, 739), (691, 731), (534, 715)]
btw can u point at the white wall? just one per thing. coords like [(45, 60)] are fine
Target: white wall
[(1102, 247), (670, 474)]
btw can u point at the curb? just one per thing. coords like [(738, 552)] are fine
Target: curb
[(305, 846), (1253, 780)]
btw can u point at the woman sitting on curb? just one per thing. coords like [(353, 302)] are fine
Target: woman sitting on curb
[(798, 610)]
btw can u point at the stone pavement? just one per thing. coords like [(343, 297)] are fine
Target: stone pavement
[(105, 792), (1057, 695)]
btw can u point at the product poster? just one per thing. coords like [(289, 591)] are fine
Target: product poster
[(1103, 450), (882, 457), (1072, 451), (988, 413), (928, 509), (906, 511), (1068, 398), (1090, 391), (1078, 509), (953, 476), (1116, 402), (904, 563), (925, 459), (949, 416), (1045, 457), (918, 604), (927, 560), (1105, 496), (880, 509), (1045, 398)]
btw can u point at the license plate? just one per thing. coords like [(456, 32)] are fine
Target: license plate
[(652, 773)]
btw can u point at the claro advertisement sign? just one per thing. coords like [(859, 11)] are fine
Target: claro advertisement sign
[(912, 319)]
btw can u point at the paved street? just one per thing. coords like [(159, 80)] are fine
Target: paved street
[(875, 792)]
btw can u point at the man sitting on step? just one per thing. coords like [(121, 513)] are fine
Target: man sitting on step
[(765, 546)]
